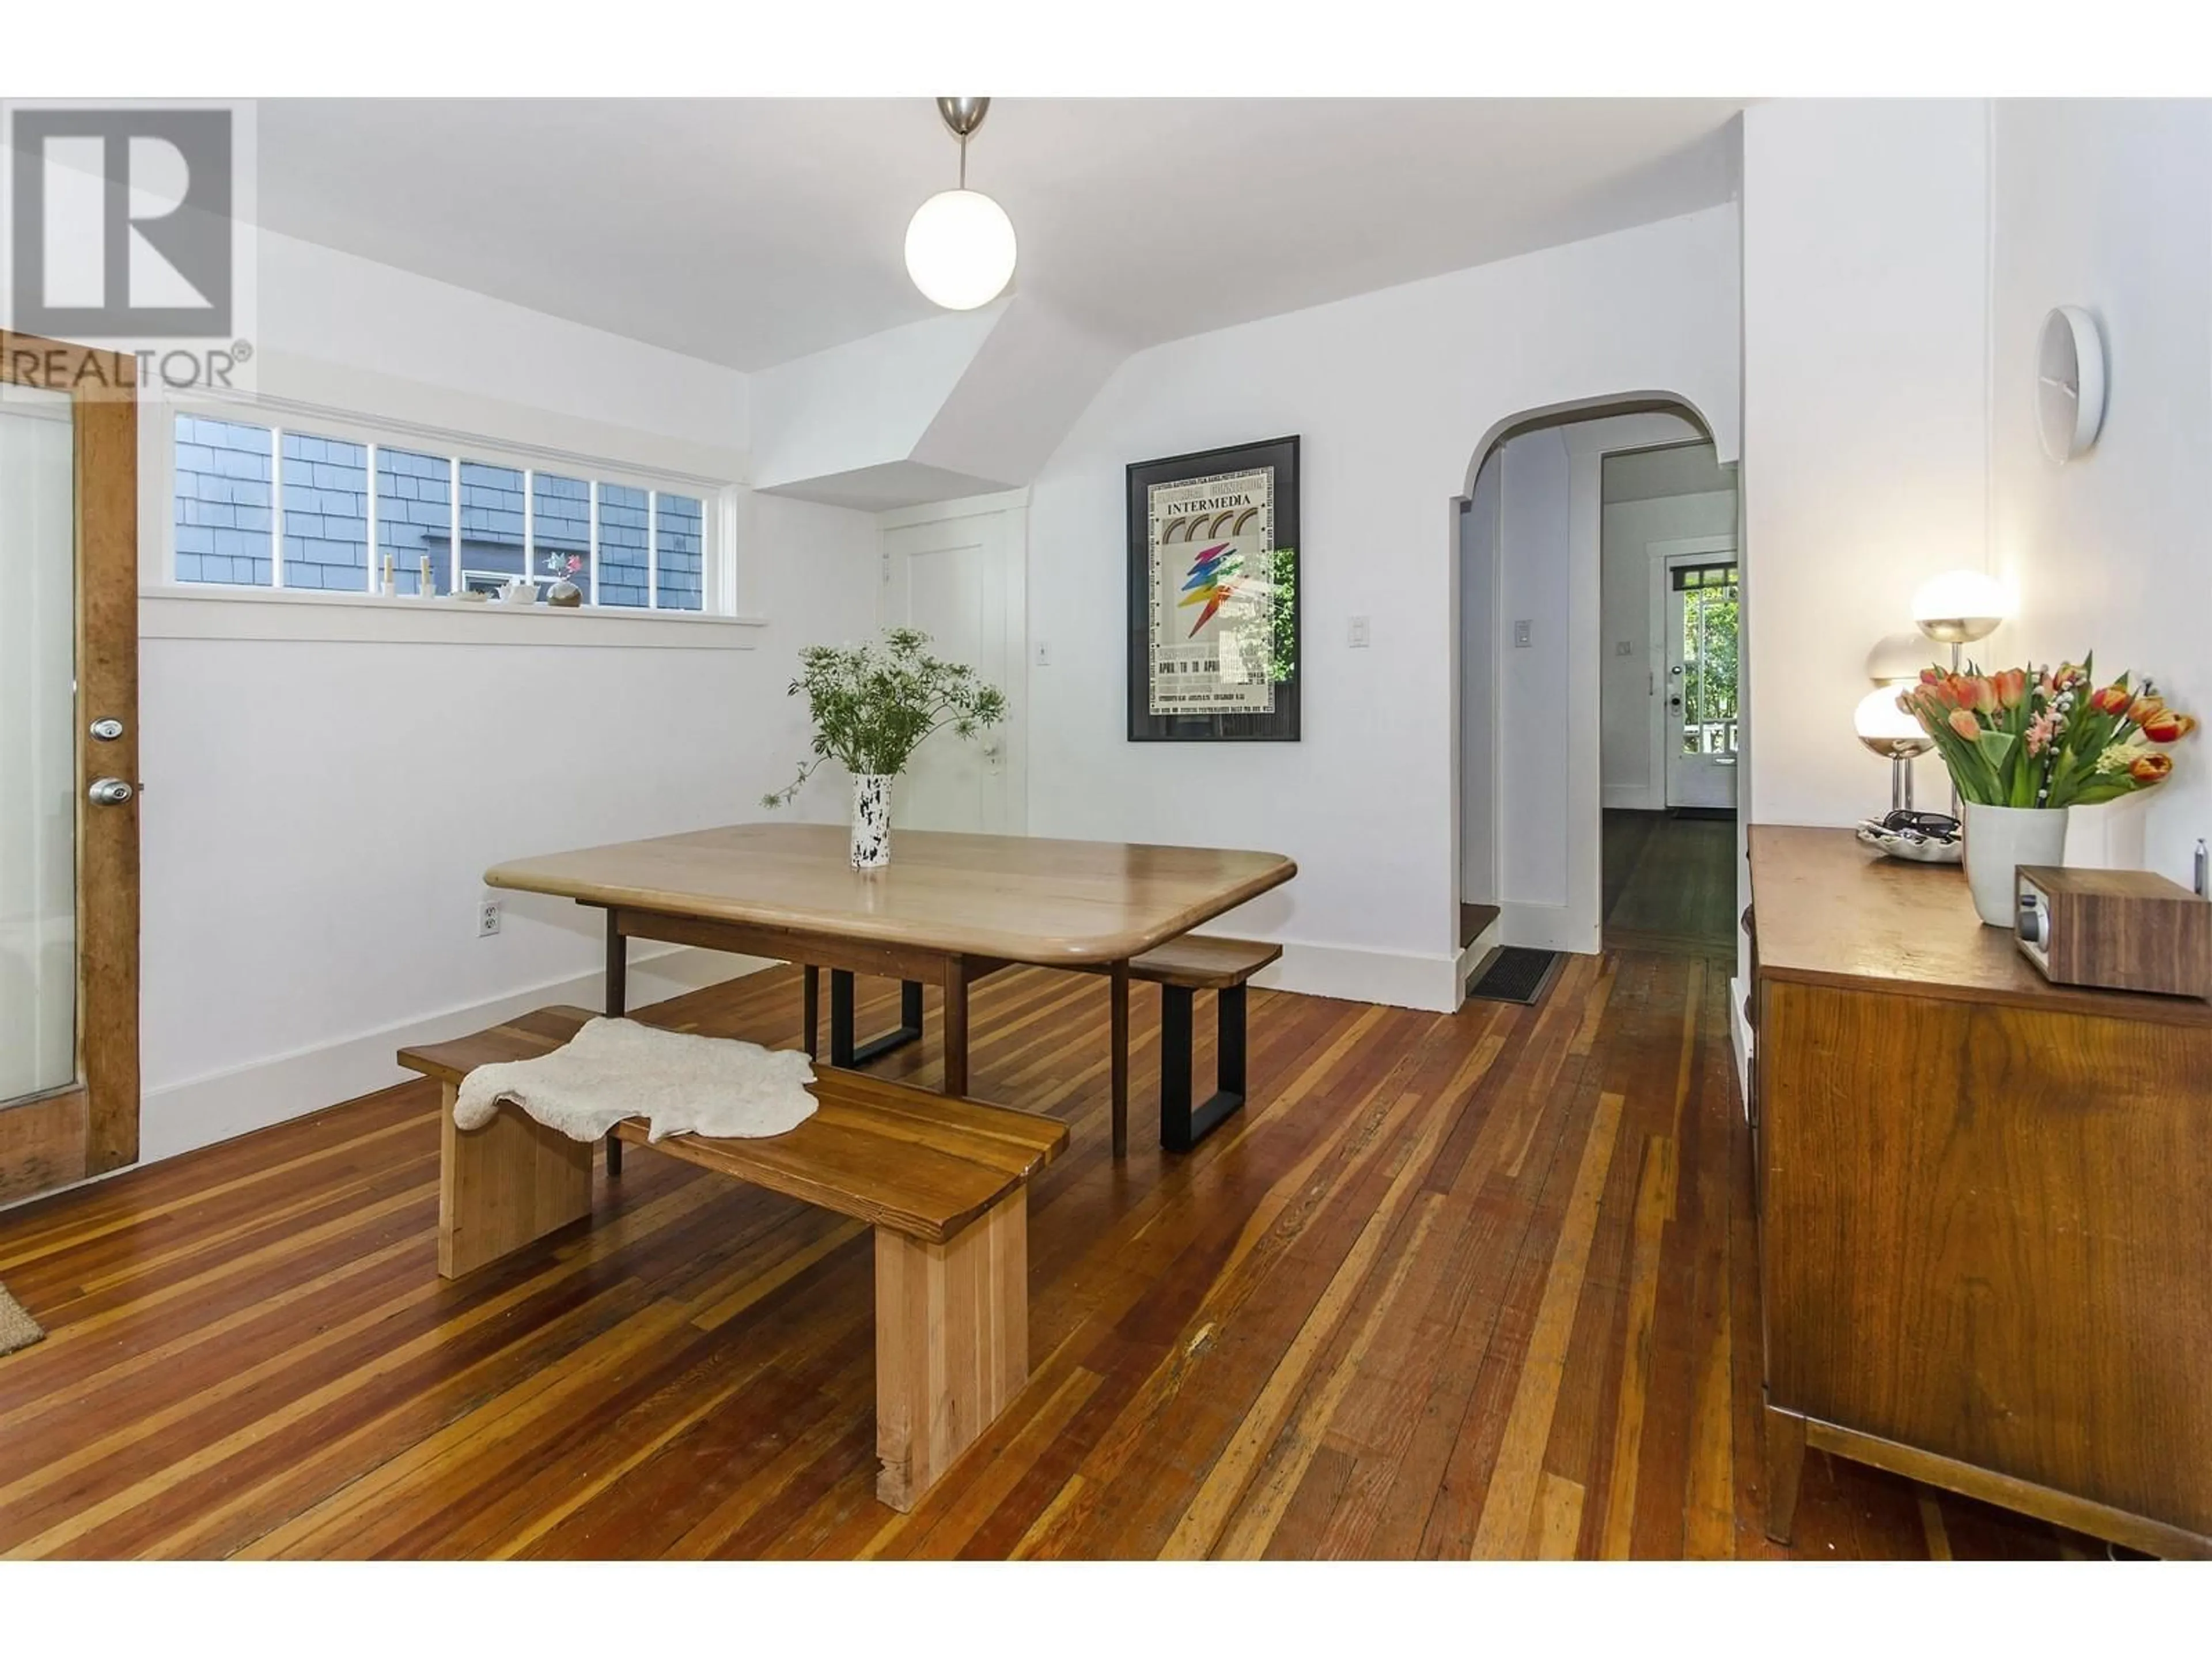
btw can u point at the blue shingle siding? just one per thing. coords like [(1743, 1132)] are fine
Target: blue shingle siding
[(561, 527), (326, 513), (221, 502), (622, 570), (414, 517), (678, 528)]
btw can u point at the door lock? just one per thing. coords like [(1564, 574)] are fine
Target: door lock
[(107, 731), (111, 792)]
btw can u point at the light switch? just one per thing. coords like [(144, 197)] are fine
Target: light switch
[(1044, 658), (1358, 633), (1521, 633), (1624, 647)]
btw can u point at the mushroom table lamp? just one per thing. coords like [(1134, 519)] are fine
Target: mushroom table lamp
[(1896, 736), (1960, 607)]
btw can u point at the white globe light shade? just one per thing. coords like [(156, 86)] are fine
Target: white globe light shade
[(1960, 606), (1887, 729), (960, 249)]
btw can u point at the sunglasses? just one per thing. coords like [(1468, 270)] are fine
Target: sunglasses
[(1922, 826)]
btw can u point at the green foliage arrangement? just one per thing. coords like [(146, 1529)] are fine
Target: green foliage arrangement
[(2050, 738), (874, 704), (1283, 637)]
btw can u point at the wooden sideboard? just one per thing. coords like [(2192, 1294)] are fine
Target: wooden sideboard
[(1985, 1206)]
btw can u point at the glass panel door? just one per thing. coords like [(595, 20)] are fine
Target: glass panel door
[(37, 745), (1703, 612)]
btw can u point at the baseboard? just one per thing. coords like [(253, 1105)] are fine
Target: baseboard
[(1740, 1034), (199, 1111), (1545, 927), (1472, 958), (1620, 797), (1399, 979)]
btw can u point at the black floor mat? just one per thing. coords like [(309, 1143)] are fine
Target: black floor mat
[(1709, 814), (1515, 973)]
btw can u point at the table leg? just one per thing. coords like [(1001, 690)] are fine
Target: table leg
[(617, 1004), (1119, 1005), (956, 1026), (811, 997)]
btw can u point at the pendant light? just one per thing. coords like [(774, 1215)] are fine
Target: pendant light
[(960, 244)]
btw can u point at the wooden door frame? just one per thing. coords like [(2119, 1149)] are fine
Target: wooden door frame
[(92, 1126)]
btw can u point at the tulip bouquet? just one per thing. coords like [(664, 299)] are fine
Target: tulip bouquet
[(2048, 738)]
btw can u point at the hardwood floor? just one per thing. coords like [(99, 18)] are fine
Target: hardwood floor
[(1450, 1287), (1669, 883)]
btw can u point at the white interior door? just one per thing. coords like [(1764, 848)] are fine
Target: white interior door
[(1703, 637), (957, 571)]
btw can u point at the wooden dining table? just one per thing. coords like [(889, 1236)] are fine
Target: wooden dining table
[(949, 909)]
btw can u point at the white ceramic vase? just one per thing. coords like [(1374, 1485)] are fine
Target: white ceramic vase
[(872, 821), (1999, 840)]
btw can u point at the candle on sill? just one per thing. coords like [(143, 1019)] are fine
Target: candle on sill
[(423, 582), (390, 581)]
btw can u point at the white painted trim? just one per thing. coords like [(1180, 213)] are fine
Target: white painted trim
[(970, 506), (1741, 1041), (216, 611), (1396, 979), (1470, 958), (201, 1110), (1630, 798), (1545, 927)]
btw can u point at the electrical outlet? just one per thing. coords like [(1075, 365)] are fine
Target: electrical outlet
[(487, 918), (1358, 634)]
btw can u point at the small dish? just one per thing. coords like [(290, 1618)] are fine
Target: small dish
[(1916, 849)]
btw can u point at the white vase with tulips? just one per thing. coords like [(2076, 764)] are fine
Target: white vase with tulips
[(2022, 745)]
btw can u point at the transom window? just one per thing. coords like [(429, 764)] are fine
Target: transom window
[(279, 507)]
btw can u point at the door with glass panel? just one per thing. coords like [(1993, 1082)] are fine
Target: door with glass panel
[(69, 760), (1702, 608)]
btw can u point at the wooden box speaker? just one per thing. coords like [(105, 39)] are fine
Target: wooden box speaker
[(2123, 930)]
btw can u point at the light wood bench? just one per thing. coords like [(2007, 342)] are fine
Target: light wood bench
[(1181, 968), (943, 1181)]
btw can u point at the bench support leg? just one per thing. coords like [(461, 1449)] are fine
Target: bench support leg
[(842, 1049), (618, 1006), (1181, 1125), (810, 996), (1117, 1019), (504, 1186), (953, 1343)]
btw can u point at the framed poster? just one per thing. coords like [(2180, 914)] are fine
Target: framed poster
[(1213, 596)]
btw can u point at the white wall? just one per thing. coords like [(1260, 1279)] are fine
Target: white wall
[(2107, 204), (1478, 663), (1631, 689), (319, 813), (1533, 678), (1395, 395), (1865, 225)]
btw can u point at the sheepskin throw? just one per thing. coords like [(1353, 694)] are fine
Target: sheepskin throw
[(616, 1068), (17, 1328)]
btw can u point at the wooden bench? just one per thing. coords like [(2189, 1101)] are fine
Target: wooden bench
[(943, 1181), (1181, 968)]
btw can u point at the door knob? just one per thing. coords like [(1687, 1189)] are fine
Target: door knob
[(111, 792)]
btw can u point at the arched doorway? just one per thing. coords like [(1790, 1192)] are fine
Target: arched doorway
[(1527, 669)]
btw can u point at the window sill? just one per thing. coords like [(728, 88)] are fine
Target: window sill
[(237, 613)]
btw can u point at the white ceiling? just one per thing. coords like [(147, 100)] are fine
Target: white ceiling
[(752, 231)]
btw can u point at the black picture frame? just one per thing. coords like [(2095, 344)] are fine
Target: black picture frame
[(1282, 723)]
